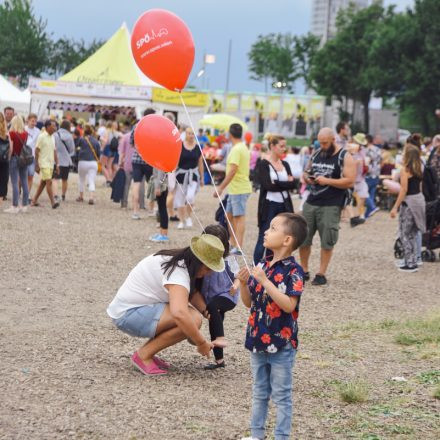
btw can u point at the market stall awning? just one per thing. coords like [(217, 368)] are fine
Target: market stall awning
[(221, 121), (112, 63)]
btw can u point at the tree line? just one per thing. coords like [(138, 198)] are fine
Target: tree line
[(376, 52), (27, 49)]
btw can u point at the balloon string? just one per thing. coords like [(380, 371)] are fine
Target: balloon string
[(192, 209), (215, 186), (198, 220)]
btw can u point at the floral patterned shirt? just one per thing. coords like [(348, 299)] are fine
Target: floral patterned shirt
[(269, 328), (375, 156)]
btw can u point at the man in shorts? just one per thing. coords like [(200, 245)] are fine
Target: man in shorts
[(45, 158), (239, 185), (330, 172)]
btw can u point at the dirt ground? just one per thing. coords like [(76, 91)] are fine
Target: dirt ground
[(65, 370)]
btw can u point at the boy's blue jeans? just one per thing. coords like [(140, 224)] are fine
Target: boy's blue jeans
[(272, 378)]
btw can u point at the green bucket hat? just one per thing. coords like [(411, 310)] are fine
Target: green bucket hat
[(360, 139), (209, 250)]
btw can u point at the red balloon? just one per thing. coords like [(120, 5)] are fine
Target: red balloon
[(158, 142), (163, 48), (248, 137)]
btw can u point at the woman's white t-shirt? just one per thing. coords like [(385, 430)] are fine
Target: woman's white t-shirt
[(281, 176), (294, 161), (145, 285)]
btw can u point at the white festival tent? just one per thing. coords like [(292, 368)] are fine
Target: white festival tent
[(14, 97)]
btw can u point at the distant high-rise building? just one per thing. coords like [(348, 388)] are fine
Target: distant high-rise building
[(324, 15)]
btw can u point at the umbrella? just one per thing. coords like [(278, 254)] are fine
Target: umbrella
[(221, 121)]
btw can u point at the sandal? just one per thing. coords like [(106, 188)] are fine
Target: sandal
[(80, 199)]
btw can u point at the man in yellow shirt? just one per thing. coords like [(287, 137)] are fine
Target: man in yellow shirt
[(238, 184), (45, 158)]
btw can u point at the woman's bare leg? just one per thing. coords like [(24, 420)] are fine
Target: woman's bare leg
[(167, 334)]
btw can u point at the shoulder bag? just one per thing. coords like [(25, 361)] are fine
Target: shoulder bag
[(4, 150), (26, 157), (94, 154)]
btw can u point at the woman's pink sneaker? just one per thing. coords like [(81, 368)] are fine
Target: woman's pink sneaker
[(150, 370), (161, 363)]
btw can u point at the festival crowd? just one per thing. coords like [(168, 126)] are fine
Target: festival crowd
[(338, 177)]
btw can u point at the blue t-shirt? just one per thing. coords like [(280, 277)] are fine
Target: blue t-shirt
[(269, 328), (203, 139), (219, 284)]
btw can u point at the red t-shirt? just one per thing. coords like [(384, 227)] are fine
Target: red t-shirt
[(18, 140)]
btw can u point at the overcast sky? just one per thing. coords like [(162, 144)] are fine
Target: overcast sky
[(212, 24)]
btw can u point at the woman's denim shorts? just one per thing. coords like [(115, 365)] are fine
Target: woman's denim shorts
[(141, 321)]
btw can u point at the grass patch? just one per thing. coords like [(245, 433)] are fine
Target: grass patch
[(429, 377), (420, 331), (353, 391)]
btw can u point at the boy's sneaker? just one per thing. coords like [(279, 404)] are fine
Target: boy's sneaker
[(188, 223), (174, 218), (408, 269), (158, 238), (374, 211), (356, 221), (180, 225), (135, 216), (319, 280), (214, 366), (306, 276)]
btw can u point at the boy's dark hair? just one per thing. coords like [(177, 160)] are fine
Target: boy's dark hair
[(236, 131), (48, 123), (149, 111), (295, 225), (220, 232)]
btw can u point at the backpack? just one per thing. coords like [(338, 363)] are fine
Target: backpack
[(114, 143)]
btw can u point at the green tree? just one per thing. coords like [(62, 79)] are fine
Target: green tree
[(344, 66), (66, 54), (23, 40), (282, 58)]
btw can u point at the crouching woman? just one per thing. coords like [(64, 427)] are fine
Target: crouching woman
[(154, 302)]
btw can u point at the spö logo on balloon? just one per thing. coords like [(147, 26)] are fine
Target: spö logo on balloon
[(147, 37)]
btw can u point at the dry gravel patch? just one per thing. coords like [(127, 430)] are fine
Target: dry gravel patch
[(65, 370)]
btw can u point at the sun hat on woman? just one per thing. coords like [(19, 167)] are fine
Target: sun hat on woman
[(209, 250), (360, 139)]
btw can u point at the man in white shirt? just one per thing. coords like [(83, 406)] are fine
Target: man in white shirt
[(33, 133)]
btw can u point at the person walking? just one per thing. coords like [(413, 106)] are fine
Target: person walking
[(18, 172), (373, 161), (109, 143), (189, 178), (238, 184), (33, 132), (5, 155), (276, 180), (360, 184), (65, 149), (412, 207), (45, 159), (331, 171), (88, 158)]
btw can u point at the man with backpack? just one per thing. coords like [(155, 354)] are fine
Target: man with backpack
[(330, 173)]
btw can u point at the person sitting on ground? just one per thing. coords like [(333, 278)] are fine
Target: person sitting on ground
[(273, 293), (155, 300), (220, 292)]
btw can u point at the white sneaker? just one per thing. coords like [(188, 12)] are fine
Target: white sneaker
[(12, 210), (135, 216), (188, 223), (180, 225)]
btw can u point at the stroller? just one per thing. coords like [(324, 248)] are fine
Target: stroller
[(431, 238)]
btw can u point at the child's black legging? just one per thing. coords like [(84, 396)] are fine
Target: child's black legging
[(163, 213), (217, 308)]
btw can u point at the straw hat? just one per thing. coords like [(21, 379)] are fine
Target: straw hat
[(209, 250), (360, 139)]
